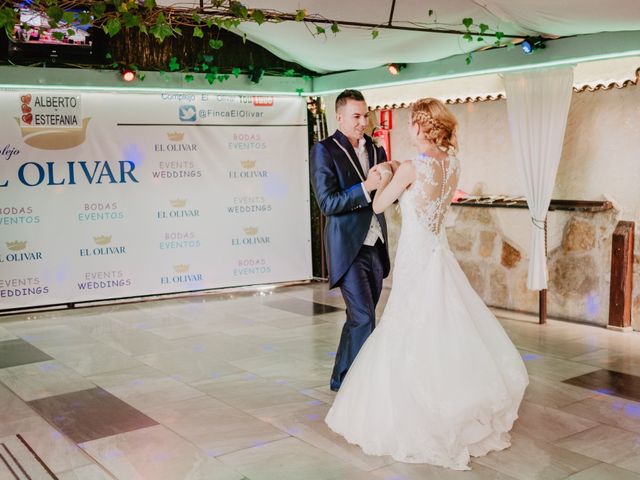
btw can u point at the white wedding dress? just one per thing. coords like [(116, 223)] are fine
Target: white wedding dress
[(438, 381)]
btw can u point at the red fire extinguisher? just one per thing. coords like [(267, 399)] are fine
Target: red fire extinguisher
[(382, 134)]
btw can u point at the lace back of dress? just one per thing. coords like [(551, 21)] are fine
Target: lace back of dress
[(434, 188)]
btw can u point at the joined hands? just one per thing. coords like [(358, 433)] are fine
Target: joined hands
[(379, 175)]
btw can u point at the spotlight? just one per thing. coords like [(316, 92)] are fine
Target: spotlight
[(531, 44), (128, 74), (396, 68), (256, 75)]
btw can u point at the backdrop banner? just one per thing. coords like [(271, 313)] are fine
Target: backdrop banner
[(110, 195)]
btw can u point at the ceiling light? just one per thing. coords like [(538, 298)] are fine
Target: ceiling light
[(531, 44), (256, 74), (396, 68), (128, 74)]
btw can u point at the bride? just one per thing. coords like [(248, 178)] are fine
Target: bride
[(438, 381)]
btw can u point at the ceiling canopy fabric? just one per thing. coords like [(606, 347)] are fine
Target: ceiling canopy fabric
[(354, 48)]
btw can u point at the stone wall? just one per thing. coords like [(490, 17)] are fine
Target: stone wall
[(495, 266), (579, 268)]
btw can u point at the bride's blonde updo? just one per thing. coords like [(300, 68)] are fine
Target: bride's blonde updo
[(437, 124)]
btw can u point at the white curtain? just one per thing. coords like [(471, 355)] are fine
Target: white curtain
[(538, 105)]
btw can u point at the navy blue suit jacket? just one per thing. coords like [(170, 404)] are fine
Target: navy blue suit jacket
[(336, 184)]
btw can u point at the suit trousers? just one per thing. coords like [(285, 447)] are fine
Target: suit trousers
[(361, 287)]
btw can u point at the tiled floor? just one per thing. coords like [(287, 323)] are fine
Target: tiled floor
[(234, 387)]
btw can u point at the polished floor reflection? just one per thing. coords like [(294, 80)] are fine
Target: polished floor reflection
[(234, 387)]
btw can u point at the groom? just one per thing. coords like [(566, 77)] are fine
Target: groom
[(344, 179)]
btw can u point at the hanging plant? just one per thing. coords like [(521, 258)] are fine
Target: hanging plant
[(162, 22)]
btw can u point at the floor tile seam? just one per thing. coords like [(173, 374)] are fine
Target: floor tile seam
[(345, 464), (552, 356), (255, 416), (601, 420), (539, 335), (552, 445), (225, 402), (312, 363), (102, 468), (573, 469), (101, 372), (327, 452), (600, 462), (586, 431), (247, 449), (624, 459), (563, 405), (561, 411), (97, 460), (204, 453), (573, 402), (162, 375), (616, 371)]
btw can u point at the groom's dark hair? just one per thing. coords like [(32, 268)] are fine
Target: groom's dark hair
[(348, 95)]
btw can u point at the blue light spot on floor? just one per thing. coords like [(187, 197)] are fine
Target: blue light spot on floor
[(530, 356), (49, 367), (113, 453), (213, 452), (161, 457), (632, 410), (604, 391)]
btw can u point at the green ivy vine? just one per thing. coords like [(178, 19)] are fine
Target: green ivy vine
[(162, 22)]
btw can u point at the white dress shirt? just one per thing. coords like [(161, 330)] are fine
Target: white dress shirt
[(375, 231)]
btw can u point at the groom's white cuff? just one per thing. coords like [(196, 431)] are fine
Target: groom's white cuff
[(366, 194)]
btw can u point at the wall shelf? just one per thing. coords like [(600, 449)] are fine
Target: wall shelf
[(497, 201)]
